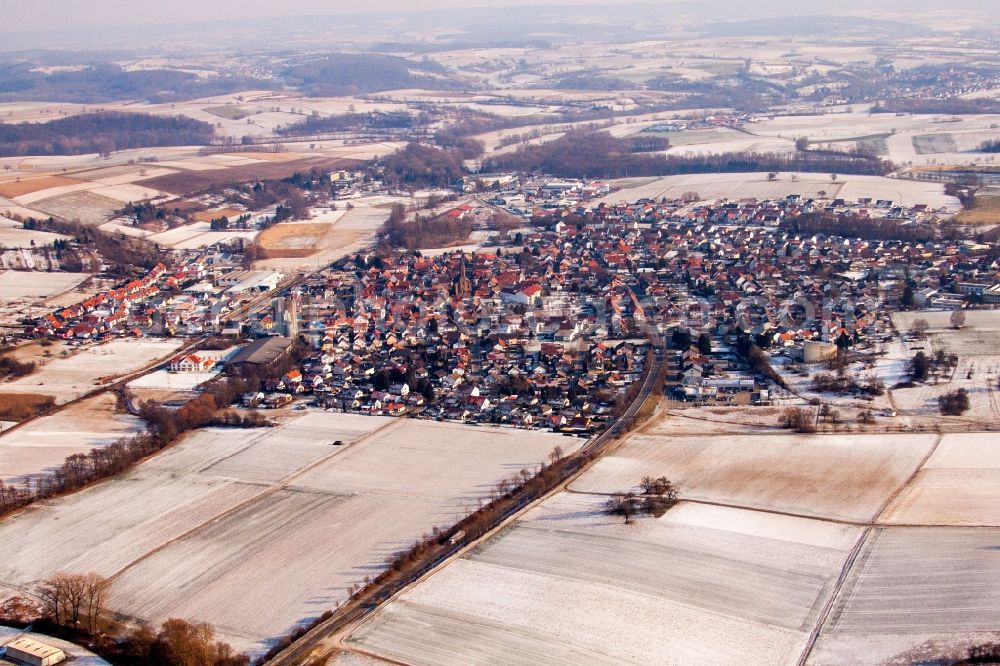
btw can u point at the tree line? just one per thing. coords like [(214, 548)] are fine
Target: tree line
[(102, 132), (107, 82), (991, 146), (11, 368), (376, 120), (74, 607), (417, 165), (122, 253), (589, 154), (855, 226), (359, 73), (955, 106), (422, 233), (165, 426)]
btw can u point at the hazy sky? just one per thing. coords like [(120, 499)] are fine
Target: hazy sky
[(40, 15)]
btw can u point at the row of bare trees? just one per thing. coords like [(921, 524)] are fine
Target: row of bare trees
[(165, 426), (75, 605), (75, 600)]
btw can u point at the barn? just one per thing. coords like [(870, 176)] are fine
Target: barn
[(29, 651)]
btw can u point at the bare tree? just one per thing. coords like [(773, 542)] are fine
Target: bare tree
[(919, 327), (75, 600), (626, 505), (958, 319), (660, 487)]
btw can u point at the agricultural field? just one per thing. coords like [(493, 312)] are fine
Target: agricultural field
[(13, 235), (346, 233), (43, 444), (956, 486), (197, 235), (21, 187), (568, 584), (164, 380), (912, 595), (939, 321), (925, 144), (737, 186), (910, 140), (87, 207), (28, 285), (292, 239), (256, 530), (842, 477), (81, 371)]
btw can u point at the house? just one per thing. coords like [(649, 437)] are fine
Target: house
[(191, 363)]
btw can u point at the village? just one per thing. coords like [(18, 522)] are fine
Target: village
[(546, 326)]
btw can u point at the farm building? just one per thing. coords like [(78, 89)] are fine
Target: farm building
[(28, 651), (260, 352)]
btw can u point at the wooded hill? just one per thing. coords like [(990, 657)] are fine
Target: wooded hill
[(101, 132)]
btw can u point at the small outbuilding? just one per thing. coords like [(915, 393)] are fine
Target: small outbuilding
[(26, 650)]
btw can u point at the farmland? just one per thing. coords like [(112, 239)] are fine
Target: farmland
[(845, 477), (957, 485), (940, 320), (255, 530), (726, 576), (44, 443), (19, 187), (24, 285), (69, 377), (910, 587), (569, 584), (292, 239), (736, 186)]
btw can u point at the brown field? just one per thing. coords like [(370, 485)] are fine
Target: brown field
[(302, 253), (986, 211), (209, 215), (295, 236), (274, 157), (194, 181), (21, 406), (979, 216), (14, 188)]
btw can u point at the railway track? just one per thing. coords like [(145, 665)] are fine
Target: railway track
[(354, 612)]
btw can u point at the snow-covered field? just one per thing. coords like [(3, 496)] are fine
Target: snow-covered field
[(844, 477), (44, 443), (197, 235), (571, 585), (256, 530), (21, 285), (940, 320), (68, 378), (172, 381), (957, 486), (12, 235), (737, 186), (716, 584), (911, 586)]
